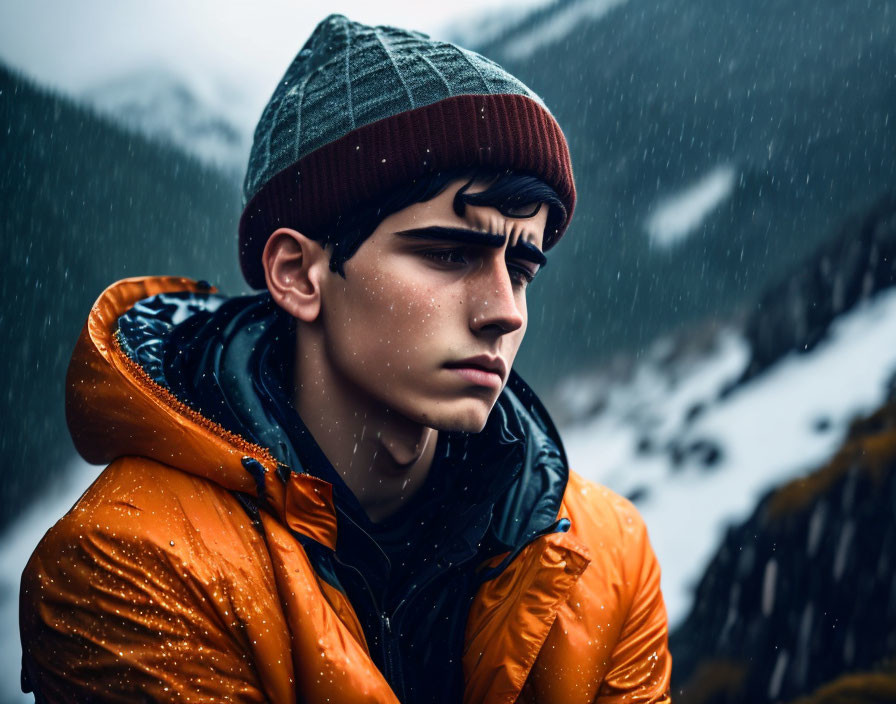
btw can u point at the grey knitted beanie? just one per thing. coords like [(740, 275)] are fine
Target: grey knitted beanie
[(362, 110)]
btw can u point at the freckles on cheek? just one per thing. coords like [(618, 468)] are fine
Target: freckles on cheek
[(395, 314), (428, 313), (408, 304)]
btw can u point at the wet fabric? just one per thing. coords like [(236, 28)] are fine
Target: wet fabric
[(194, 568), (412, 577)]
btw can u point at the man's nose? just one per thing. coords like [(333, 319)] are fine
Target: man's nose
[(497, 305)]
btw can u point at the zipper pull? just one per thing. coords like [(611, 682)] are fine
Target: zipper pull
[(387, 623)]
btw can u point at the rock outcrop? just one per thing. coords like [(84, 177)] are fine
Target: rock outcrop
[(800, 601), (855, 263)]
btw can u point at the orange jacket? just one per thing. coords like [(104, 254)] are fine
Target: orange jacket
[(157, 585)]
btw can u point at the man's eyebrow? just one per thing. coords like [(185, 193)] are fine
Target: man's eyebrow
[(521, 250), (527, 251)]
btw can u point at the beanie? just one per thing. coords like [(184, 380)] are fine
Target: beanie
[(362, 110)]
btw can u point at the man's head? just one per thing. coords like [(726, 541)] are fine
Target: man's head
[(438, 284), (400, 194), (363, 112)]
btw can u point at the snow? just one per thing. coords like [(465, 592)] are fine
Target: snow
[(774, 686), (679, 215), (489, 23), (556, 26), (766, 432), (769, 580)]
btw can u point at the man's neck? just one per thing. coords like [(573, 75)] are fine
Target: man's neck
[(382, 457)]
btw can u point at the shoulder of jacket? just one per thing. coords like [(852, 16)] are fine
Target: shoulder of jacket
[(609, 528), (167, 567), (616, 606), (597, 507), (170, 517)]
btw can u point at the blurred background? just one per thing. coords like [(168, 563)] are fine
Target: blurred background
[(715, 335)]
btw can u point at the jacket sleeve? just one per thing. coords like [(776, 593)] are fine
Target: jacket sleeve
[(641, 665), (110, 614)]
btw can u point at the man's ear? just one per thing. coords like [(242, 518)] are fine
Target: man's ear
[(292, 268)]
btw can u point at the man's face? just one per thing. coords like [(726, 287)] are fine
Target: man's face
[(416, 305)]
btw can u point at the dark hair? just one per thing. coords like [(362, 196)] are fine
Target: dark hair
[(508, 192)]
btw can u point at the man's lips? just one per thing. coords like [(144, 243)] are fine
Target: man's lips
[(482, 369)]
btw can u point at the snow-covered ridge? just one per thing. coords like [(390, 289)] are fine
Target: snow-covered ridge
[(206, 119), (681, 214), (487, 25), (555, 27), (695, 462)]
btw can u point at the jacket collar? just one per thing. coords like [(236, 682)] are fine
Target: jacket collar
[(115, 408)]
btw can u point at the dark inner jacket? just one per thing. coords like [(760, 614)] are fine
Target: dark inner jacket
[(412, 577)]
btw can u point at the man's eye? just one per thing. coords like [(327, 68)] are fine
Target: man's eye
[(520, 210), (446, 256), (520, 275)]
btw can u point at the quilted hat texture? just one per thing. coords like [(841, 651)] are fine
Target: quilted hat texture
[(362, 110)]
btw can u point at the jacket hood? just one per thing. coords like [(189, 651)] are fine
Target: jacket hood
[(163, 369)]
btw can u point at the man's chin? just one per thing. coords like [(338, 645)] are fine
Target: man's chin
[(469, 416)]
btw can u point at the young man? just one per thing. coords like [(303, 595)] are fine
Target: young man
[(338, 489)]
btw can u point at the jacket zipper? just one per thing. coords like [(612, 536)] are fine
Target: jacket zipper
[(390, 629), (391, 663), (394, 673)]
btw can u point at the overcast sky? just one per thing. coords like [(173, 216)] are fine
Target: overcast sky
[(73, 46)]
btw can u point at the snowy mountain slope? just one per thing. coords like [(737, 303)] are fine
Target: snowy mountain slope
[(695, 460), (799, 601), (715, 144), (209, 121), (552, 26)]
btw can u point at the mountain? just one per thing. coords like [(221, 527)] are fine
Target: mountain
[(800, 600), (763, 459), (86, 203), (715, 143), (206, 122), (796, 313)]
